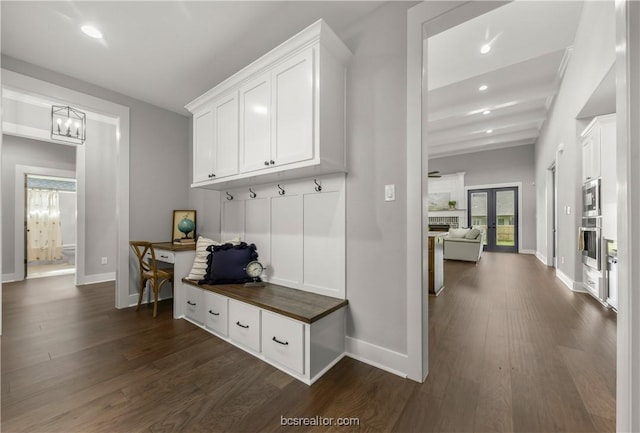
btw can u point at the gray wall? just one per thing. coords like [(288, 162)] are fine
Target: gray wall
[(23, 151), (376, 140), (159, 153), (593, 55), (513, 164)]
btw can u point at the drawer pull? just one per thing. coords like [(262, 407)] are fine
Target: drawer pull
[(284, 343), (241, 325), (164, 257), (215, 314), (191, 303)]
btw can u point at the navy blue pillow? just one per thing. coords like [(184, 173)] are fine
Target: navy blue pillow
[(226, 264)]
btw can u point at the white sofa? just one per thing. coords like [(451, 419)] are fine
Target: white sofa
[(464, 244)]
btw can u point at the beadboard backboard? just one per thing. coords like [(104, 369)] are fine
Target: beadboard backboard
[(299, 234)]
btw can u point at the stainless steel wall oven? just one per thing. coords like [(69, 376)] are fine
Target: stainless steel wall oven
[(589, 242)]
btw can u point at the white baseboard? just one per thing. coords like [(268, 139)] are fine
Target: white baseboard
[(377, 356), (541, 257), (9, 278), (580, 288), (96, 278), (528, 252), (565, 279)]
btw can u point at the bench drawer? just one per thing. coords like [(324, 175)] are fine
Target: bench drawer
[(215, 312), (194, 304), (283, 341), (244, 324)]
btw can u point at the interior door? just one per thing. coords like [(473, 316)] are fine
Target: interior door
[(496, 210)]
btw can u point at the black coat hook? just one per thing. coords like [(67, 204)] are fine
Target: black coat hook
[(252, 194), (229, 196), (281, 192), (318, 187)]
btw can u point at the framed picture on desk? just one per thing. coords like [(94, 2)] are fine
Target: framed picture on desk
[(184, 226)]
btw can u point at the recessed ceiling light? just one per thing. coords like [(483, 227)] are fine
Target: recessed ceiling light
[(489, 131), (91, 31), (483, 87), (486, 112), (485, 48)]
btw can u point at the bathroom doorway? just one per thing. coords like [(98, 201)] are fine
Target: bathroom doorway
[(50, 226)]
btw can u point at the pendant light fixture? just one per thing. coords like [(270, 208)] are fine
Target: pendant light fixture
[(68, 124)]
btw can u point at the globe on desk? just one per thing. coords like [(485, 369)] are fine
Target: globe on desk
[(186, 226)]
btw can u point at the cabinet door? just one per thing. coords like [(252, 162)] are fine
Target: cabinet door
[(225, 140), (255, 124), (293, 102), (203, 145)]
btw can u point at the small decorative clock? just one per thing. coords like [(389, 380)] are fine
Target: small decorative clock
[(254, 269)]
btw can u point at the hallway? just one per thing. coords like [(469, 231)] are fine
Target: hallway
[(512, 349)]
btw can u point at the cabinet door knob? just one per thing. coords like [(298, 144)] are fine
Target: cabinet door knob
[(266, 163), (272, 162)]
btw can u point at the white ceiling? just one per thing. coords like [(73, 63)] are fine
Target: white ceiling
[(166, 53), (531, 43)]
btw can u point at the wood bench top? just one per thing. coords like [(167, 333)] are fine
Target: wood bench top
[(297, 304)]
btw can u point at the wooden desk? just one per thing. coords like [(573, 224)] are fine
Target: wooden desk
[(436, 262), (181, 257)]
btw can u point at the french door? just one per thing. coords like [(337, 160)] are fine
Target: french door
[(496, 211)]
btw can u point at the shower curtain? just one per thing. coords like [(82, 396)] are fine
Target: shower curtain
[(44, 235)]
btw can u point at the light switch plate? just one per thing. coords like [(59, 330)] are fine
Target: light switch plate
[(389, 192)]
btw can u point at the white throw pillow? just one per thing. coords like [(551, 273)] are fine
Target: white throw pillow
[(199, 268), (458, 233)]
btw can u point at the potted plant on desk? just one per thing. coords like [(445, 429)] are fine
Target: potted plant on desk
[(452, 204)]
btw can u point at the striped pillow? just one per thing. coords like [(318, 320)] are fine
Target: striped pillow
[(199, 268)]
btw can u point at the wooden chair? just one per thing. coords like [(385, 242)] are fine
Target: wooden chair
[(149, 271)]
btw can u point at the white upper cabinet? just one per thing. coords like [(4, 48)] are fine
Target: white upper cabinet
[(215, 140), (290, 116), (293, 107), (225, 138), (203, 145), (255, 124)]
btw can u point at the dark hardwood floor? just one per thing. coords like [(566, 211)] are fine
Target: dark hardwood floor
[(511, 349)]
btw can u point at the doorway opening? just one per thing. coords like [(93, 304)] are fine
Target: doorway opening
[(50, 226), (496, 211)]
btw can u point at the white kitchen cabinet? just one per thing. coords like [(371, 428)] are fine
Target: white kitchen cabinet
[(609, 174), (291, 115), (592, 147), (215, 143)]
